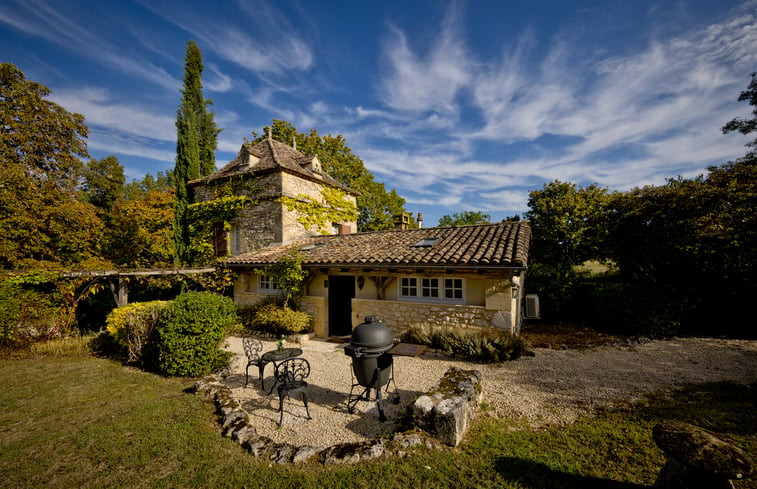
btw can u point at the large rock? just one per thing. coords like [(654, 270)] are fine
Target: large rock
[(447, 409), (697, 458)]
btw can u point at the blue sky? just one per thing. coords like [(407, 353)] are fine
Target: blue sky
[(456, 105)]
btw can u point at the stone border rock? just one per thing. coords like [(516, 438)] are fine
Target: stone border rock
[(235, 423), (447, 409)]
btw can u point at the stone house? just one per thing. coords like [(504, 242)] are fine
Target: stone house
[(469, 276)]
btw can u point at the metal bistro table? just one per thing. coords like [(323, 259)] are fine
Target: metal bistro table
[(274, 357)]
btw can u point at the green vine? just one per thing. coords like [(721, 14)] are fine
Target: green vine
[(314, 214), (203, 217)]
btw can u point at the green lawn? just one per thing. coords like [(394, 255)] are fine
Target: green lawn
[(81, 421)]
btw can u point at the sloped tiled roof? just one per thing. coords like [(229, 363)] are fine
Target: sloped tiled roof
[(503, 245), (271, 156)]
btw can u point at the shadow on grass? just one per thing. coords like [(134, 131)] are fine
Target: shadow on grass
[(530, 474)]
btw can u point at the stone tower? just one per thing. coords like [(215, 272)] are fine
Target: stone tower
[(270, 172)]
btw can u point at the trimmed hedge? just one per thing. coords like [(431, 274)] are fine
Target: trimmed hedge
[(484, 345), (132, 327), (189, 333), (272, 318)]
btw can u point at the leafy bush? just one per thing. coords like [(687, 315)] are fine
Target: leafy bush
[(25, 313), (9, 311), (132, 326), (485, 345), (269, 317), (189, 332)]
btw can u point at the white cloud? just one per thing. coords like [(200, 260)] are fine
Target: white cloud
[(618, 121), (43, 20), (99, 109), (429, 82), (120, 145), (218, 82), (268, 43)]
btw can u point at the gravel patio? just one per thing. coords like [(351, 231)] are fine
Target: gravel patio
[(551, 387)]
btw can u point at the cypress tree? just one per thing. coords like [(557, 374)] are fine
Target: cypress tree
[(196, 142)]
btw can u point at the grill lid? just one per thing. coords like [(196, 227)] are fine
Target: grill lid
[(373, 335)]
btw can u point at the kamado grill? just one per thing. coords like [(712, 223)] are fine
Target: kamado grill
[(372, 366)]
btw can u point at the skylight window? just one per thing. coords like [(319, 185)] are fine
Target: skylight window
[(426, 243)]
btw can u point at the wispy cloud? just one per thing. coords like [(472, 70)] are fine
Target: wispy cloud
[(44, 20), (217, 81), (101, 109), (429, 81), (618, 121), (269, 43)]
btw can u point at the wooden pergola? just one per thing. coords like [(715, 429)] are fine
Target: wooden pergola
[(119, 286)]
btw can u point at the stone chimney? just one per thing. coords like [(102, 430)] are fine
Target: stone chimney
[(401, 221), (420, 220)]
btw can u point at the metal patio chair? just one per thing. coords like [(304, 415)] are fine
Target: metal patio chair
[(290, 376), (252, 348)]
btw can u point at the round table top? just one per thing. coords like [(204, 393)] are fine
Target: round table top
[(282, 354)]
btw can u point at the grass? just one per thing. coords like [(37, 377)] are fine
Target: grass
[(81, 421)]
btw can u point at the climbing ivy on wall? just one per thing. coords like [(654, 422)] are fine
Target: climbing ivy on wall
[(319, 215), (203, 217)]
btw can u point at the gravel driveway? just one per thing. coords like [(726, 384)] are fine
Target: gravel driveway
[(552, 387)]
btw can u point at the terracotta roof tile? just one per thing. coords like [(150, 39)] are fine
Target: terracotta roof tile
[(492, 245)]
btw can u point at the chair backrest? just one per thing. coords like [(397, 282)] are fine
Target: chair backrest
[(252, 347), (292, 371)]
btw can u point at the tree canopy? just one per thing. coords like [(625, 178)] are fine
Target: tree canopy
[(464, 218), (103, 182), (41, 218), (376, 206), (566, 221), (746, 126)]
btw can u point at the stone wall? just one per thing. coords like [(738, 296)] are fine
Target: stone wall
[(294, 187), (400, 315), (318, 307)]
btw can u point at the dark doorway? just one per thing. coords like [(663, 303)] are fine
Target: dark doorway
[(341, 293)]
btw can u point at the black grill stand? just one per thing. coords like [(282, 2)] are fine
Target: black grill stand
[(352, 400)]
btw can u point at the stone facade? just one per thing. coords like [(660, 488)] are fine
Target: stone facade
[(400, 315), (268, 221), (489, 302)]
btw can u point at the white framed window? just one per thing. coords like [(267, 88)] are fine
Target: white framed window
[(453, 289), (266, 283), (432, 289), (409, 287)]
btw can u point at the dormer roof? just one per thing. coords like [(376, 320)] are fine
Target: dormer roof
[(270, 155)]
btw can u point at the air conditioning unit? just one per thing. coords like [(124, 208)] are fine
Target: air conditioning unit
[(531, 307)]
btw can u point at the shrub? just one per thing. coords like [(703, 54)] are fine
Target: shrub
[(485, 345), (25, 313), (271, 318), (132, 326), (189, 332)]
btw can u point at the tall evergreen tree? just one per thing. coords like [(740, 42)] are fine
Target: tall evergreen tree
[(196, 141)]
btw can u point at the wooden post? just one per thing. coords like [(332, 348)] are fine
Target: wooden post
[(120, 290)]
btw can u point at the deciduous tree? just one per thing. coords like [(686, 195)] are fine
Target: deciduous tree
[(746, 126), (465, 218), (103, 182), (40, 146), (566, 221), (140, 233)]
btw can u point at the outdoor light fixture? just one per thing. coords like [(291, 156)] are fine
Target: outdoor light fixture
[(360, 282), (515, 291)]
